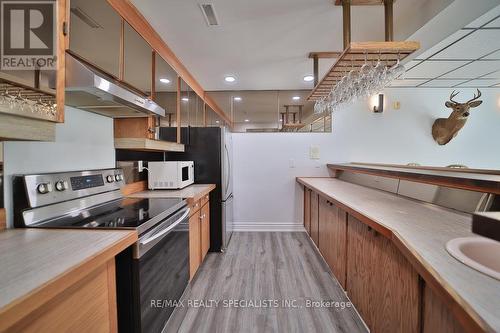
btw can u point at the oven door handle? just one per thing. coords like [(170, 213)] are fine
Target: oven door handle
[(166, 230)]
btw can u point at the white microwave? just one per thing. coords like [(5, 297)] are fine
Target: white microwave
[(170, 175)]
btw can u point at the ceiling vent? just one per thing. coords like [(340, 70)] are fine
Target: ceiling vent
[(85, 18), (209, 14)]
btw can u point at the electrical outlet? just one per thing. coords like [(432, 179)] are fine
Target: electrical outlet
[(314, 152)]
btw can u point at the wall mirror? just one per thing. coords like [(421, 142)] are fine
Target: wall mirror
[(271, 111)]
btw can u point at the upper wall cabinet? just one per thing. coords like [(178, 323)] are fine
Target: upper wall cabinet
[(95, 31), (166, 91), (137, 60)]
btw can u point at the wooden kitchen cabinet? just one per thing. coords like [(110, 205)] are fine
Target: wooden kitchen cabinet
[(381, 283), (314, 218), (95, 33), (137, 57), (205, 230), (307, 210), (194, 243), (89, 305), (436, 315), (332, 238), (199, 233)]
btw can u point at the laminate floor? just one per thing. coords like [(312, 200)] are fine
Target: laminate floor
[(274, 278)]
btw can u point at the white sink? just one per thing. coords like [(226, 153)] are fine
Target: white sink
[(482, 254)]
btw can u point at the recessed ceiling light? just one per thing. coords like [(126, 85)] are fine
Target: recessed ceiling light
[(308, 78), (296, 98), (247, 120), (185, 99), (237, 99), (164, 80), (229, 78), (217, 121)]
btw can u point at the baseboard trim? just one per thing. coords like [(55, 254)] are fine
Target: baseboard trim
[(267, 226)]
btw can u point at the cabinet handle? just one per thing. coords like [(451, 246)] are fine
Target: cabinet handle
[(65, 28)]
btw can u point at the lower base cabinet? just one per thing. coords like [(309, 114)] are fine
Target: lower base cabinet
[(89, 305), (205, 230), (307, 210), (436, 316), (199, 234), (314, 218), (194, 243), (381, 283), (332, 238)]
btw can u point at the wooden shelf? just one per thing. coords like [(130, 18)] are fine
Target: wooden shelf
[(354, 57), (140, 144), (474, 180)]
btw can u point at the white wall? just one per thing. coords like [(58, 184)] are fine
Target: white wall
[(84, 141), (267, 196)]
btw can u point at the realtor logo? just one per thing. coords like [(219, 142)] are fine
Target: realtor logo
[(27, 35)]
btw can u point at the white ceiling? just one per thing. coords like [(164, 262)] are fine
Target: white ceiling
[(265, 43), (469, 57)]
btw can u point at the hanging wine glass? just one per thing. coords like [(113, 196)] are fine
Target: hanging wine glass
[(398, 69)]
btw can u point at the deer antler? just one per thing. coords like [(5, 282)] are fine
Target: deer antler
[(453, 94), (475, 97)]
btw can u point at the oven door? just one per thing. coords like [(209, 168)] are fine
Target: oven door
[(161, 270)]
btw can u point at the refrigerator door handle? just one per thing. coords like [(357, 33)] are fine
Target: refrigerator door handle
[(228, 169)]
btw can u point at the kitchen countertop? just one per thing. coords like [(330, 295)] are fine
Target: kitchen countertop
[(423, 229), (38, 263), (192, 193)]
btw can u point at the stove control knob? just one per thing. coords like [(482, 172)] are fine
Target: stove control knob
[(110, 179), (61, 185), (118, 177), (44, 188)]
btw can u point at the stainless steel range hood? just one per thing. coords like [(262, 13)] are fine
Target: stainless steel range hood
[(88, 90)]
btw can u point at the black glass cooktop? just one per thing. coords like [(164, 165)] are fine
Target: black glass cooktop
[(129, 213)]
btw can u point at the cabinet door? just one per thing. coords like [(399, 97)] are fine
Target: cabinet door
[(332, 238), (314, 218), (437, 317), (138, 64), (307, 210), (95, 31), (205, 230), (166, 91), (194, 243), (381, 283)]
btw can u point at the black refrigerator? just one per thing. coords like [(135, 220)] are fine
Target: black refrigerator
[(211, 150)]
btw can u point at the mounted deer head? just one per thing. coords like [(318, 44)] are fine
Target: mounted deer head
[(445, 129)]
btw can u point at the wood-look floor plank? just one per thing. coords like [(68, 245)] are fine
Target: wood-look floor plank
[(265, 266)]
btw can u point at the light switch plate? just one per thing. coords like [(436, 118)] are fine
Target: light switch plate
[(314, 152), (397, 105)]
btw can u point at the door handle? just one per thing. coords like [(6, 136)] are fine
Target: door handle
[(166, 230)]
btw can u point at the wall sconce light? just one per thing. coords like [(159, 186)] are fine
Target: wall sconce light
[(377, 103)]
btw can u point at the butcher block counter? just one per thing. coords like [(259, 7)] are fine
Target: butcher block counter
[(59, 280), (419, 231), (191, 193)]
